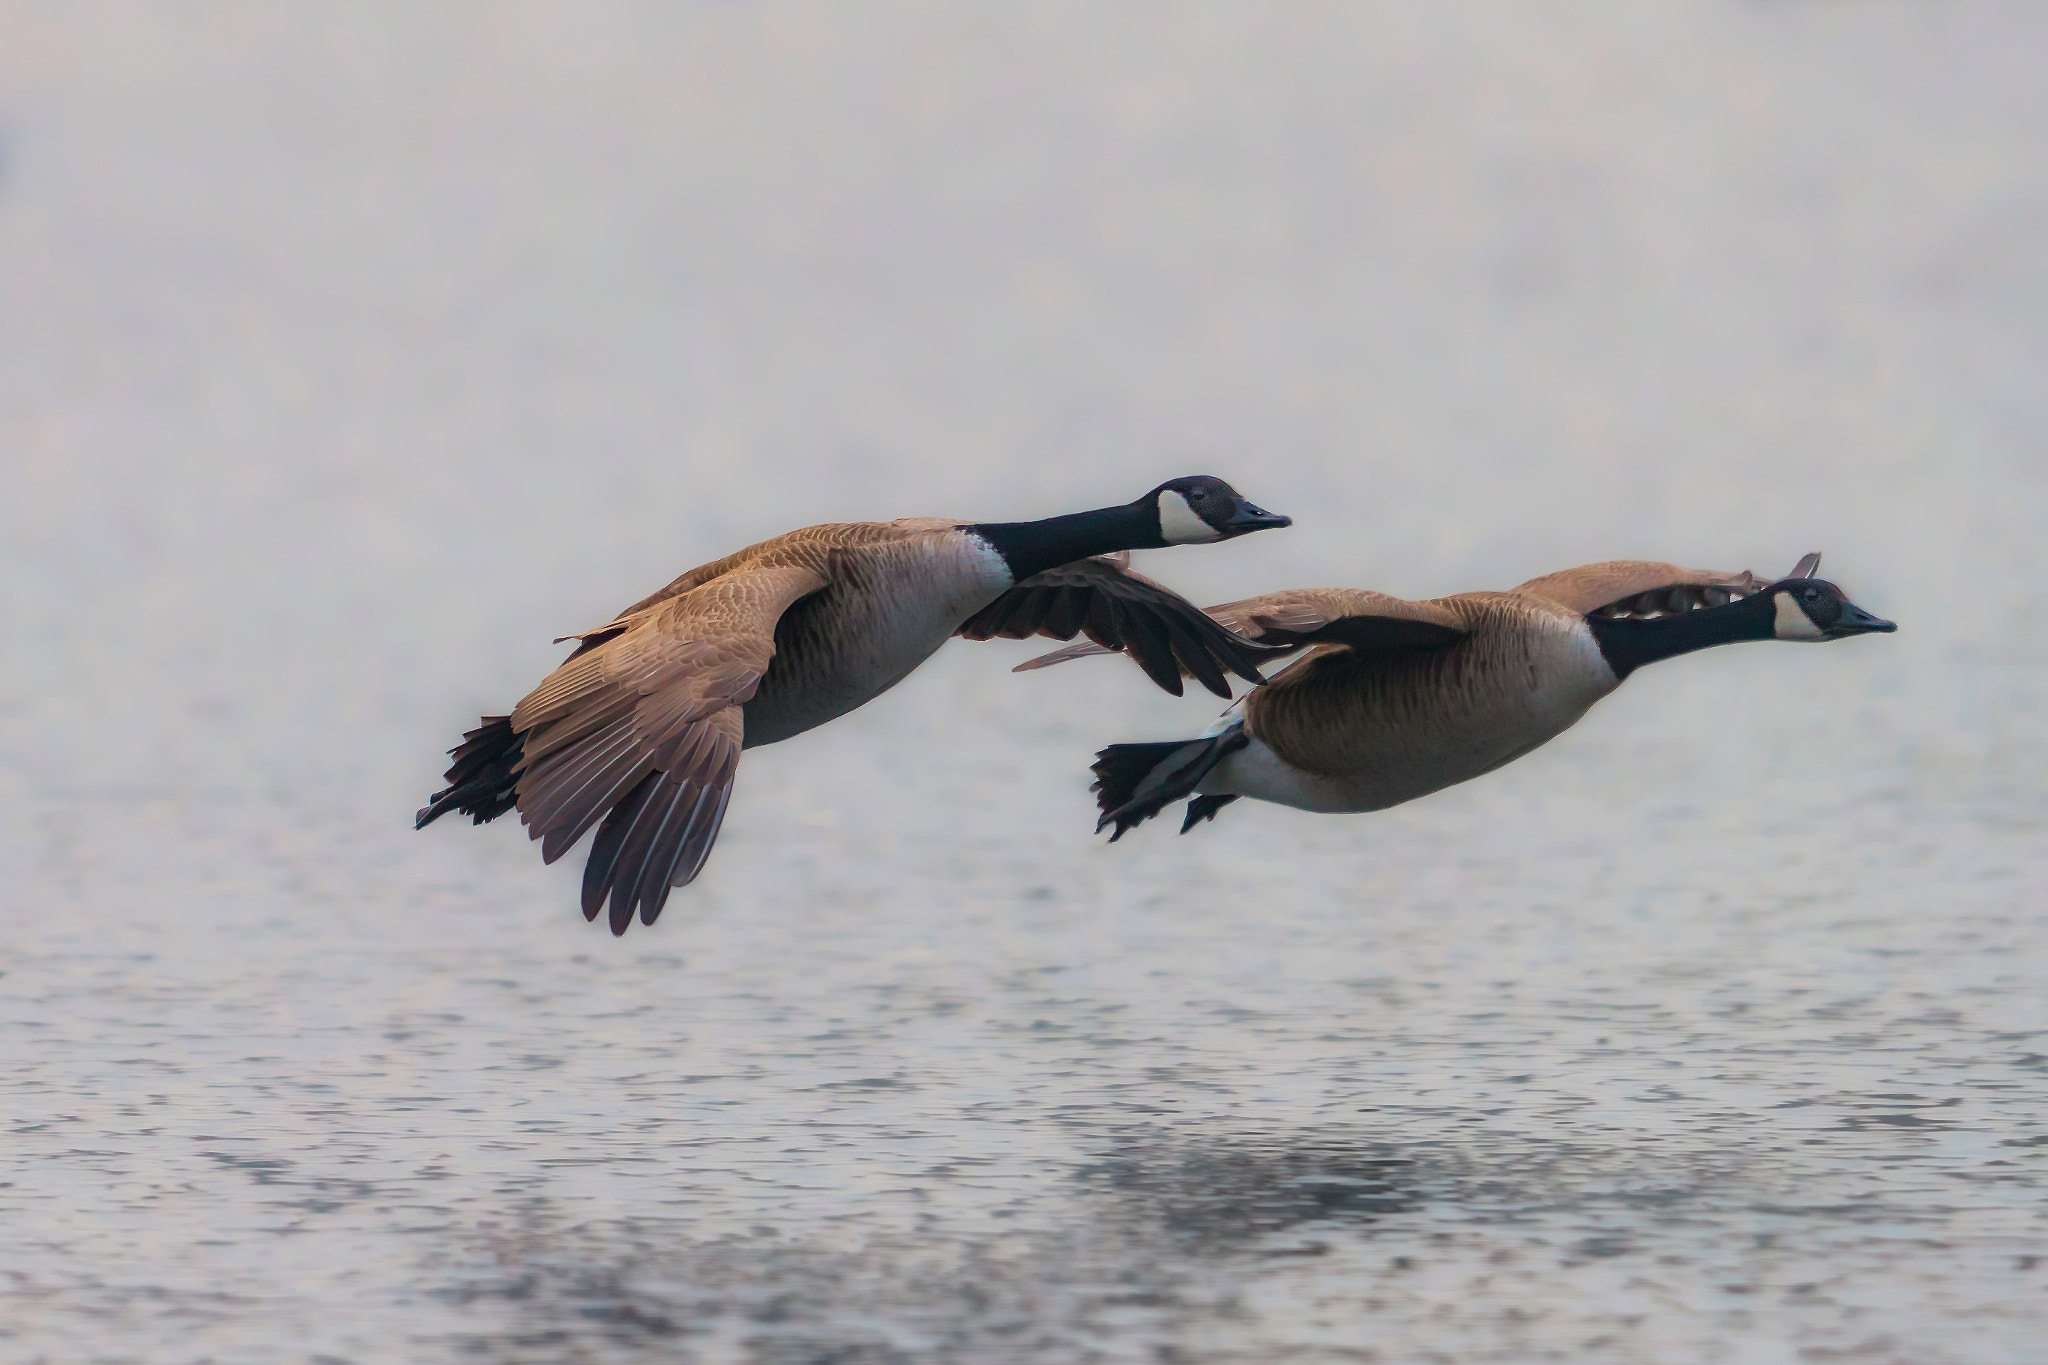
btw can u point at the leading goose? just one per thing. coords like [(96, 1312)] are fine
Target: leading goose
[(1392, 699), (642, 726)]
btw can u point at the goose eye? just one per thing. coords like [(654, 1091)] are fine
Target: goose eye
[(1812, 593)]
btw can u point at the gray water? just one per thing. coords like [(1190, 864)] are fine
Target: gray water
[(348, 354)]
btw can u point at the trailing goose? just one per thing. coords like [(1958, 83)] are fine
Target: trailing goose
[(1391, 700), (642, 726)]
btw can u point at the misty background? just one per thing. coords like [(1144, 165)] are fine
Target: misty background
[(348, 355)]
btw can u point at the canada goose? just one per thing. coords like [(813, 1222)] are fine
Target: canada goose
[(1392, 700), (642, 726)]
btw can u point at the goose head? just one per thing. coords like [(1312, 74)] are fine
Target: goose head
[(1199, 510), (1665, 623), (1812, 609)]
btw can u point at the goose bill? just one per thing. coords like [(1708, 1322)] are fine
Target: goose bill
[(1247, 517), (1856, 621)]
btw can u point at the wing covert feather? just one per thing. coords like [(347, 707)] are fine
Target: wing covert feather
[(1589, 587)]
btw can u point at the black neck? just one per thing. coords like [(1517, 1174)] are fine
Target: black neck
[(1030, 547), (1627, 644)]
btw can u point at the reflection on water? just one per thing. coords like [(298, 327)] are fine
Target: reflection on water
[(1218, 1198), (1152, 1240), (1200, 1243), (347, 363)]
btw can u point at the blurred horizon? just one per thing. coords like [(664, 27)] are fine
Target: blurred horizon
[(349, 355)]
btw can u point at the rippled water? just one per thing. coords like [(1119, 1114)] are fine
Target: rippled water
[(349, 356)]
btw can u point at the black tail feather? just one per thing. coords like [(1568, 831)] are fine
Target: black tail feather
[(1121, 769), (483, 781)]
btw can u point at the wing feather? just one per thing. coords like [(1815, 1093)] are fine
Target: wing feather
[(1146, 641), (1194, 660), (1028, 615), (1297, 617), (1639, 587), (604, 849), (1119, 610), (637, 846), (1067, 609), (640, 735)]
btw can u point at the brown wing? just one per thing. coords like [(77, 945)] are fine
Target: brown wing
[(1122, 611), (642, 730), (1297, 617), (811, 546), (1639, 587)]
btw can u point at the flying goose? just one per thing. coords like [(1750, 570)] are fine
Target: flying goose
[(642, 726), (1391, 699)]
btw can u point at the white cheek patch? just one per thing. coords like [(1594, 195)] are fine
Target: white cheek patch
[(1178, 524), (1792, 623)]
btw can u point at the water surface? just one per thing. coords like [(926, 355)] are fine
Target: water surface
[(349, 357)]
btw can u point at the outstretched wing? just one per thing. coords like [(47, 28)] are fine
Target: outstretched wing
[(1120, 611), (642, 730), (1283, 622), (1640, 587)]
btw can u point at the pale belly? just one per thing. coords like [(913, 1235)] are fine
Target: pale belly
[(863, 635)]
